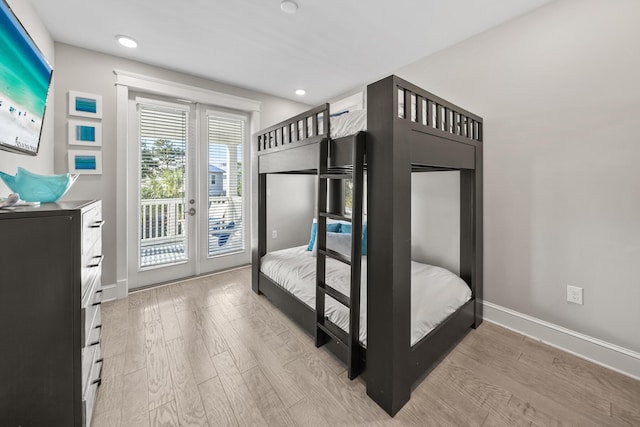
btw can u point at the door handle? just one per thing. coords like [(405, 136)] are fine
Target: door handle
[(192, 211)]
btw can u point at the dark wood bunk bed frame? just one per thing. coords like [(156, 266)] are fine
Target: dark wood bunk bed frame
[(428, 134)]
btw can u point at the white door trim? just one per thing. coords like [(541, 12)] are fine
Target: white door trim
[(126, 81)]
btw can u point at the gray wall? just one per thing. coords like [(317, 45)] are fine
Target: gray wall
[(43, 162), (435, 219), (291, 204), (559, 90), (88, 71)]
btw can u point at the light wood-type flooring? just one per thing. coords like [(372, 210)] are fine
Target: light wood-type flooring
[(208, 351)]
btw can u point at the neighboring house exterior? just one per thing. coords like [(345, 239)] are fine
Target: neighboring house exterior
[(216, 181)]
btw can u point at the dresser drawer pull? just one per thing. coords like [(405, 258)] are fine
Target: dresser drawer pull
[(97, 224), (96, 342), (99, 300), (98, 262), (99, 379)]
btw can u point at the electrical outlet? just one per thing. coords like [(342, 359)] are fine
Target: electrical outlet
[(574, 294), (274, 234)]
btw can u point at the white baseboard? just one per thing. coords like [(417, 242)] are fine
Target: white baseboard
[(122, 288), (109, 292), (614, 357)]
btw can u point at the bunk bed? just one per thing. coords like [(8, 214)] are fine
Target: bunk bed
[(408, 130)]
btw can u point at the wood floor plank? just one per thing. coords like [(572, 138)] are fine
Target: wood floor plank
[(494, 420), (135, 401), (216, 403), (222, 302), (111, 389), (212, 291), (503, 385), (275, 319), (193, 292), (107, 419), (305, 340), (180, 301), (629, 416), (170, 325), (189, 404), (620, 390), (360, 408), (116, 310), (287, 387), (201, 363), (329, 406), (458, 409), (135, 349), (165, 416), (305, 414), (418, 413), (539, 380), (244, 407), (158, 374), (241, 354), (287, 347), (136, 301), (267, 400), (114, 327), (196, 320), (477, 389), (529, 412)]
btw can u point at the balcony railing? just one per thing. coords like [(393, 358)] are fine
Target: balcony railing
[(163, 220)]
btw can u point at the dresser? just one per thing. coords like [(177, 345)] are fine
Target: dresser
[(50, 324)]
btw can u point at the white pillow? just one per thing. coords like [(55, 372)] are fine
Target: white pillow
[(338, 242)]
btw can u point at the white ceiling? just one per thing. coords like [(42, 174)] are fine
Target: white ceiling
[(328, 47)]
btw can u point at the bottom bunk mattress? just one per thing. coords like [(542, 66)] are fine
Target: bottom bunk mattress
[(435, 292)]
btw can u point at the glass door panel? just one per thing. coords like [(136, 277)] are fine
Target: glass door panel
[(163, 207), (226, 134)]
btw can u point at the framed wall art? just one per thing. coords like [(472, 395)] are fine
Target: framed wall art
[(83, 132), (85, 162), (83, 104)]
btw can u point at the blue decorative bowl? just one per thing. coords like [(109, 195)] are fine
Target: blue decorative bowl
[(38, 188)]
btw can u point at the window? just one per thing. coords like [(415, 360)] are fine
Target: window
[(226, 134)]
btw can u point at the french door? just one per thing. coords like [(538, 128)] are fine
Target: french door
[(186, 206)]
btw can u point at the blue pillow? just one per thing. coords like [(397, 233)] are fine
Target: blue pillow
[(332, 227), (364, 238), (345, 227)]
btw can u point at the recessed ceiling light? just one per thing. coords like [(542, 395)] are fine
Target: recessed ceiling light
[(127, 41), (289, 6), (301, 92)]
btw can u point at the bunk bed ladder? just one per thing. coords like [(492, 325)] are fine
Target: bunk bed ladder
[(326, 331)]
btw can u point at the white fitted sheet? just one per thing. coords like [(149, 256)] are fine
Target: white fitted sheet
[(348, 123), (435, 292)]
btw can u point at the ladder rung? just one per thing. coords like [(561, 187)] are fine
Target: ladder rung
[(335, 333), (336, 217), (336, 295), (336, 176), (335, 255)]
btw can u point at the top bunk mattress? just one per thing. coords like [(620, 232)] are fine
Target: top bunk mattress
[(436, 292), (347, 123)]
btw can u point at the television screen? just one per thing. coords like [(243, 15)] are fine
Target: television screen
[(25, 76)]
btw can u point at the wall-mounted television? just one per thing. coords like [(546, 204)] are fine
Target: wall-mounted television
[(25, 76)]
